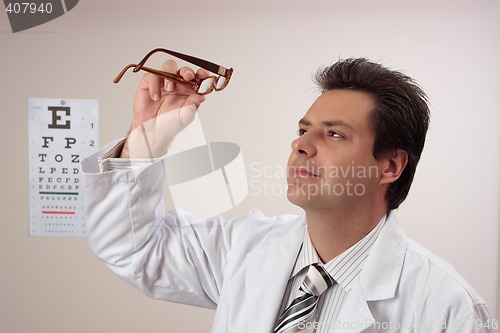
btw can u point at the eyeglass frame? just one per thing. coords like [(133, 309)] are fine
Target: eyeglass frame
[(196, 83)]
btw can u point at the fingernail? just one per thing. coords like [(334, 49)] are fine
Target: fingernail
[(169, 86), (156, 97)]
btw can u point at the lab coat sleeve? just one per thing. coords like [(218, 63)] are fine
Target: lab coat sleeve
[(169, 256)]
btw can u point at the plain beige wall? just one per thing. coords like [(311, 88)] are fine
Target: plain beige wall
[(55, 285)]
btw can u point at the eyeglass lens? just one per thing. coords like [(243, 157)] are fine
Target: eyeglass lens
[(212, 83)]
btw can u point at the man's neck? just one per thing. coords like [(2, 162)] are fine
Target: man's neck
[(333, 233)]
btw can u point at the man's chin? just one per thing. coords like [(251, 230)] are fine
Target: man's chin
[(297, 198)]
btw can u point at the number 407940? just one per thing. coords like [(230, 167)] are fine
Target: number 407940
[(28, 8)]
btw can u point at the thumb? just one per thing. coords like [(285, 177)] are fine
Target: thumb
[(186, 115), (187, 112)]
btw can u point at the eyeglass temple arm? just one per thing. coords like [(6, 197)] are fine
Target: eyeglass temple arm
[(164, 74), (119, 76), (210, 66)]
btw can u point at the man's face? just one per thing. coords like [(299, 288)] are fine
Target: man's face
[(331, 165)]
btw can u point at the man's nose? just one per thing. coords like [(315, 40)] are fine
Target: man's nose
[(304, 146)]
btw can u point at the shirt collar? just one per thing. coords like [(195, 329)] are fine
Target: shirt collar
[(345, 267)]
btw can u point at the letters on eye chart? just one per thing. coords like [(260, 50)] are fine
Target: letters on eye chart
[(61, 133)]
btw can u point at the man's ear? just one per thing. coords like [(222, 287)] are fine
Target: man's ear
[(394, 164)]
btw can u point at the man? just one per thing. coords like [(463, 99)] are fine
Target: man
[(343, 266)]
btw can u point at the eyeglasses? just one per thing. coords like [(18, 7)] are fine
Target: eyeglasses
[(200, 86)]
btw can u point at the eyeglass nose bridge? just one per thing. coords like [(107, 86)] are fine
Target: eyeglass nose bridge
[(197, 86)]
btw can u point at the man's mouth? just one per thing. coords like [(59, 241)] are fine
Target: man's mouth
[(303, 172)]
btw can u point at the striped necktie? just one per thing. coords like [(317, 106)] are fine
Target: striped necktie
[(302, 310)]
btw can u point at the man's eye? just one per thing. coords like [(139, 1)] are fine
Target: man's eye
[(335, 134), (301, 131)]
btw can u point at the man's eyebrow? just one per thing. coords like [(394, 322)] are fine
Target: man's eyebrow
[(304, 122), (327, 123)]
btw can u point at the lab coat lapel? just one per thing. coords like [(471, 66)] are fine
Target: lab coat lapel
[(382, 271), (377, 282), (355, 315), (267, 276)]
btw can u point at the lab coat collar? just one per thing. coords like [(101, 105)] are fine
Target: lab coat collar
[(380, 276), (378, 280)]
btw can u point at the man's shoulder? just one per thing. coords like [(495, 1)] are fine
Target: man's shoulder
[(435, 275), (256, 233), (413, 272), (257, 222), (253, 227)]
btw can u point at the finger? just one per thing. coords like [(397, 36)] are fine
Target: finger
[(202, 73), (188, 110), (169, 66), (195, 99), (187, 73), (153, 84)]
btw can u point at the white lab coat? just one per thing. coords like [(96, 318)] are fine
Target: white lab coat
[(241, 267)]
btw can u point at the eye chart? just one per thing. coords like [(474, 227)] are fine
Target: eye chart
[(61, 133)]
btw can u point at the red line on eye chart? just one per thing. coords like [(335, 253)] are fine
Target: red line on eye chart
[(52, 212)]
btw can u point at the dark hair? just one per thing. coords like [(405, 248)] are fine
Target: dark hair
[(400, 119)]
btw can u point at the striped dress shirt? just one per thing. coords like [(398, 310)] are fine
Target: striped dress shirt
[(344, 269)]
